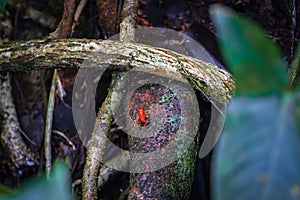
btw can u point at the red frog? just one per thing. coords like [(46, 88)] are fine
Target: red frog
[(142, 117)]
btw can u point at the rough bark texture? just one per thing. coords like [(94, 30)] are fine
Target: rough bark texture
[(127, 25), (172, 116), (11, 132), (64, 28), (97, 142), (109, 17), (215, 83), (95, 151)]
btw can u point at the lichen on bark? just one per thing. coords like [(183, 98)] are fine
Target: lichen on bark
[(215, 83)]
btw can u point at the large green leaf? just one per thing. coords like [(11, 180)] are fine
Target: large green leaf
[(254, 59), (297, 112), (57, 187), (258, 156)]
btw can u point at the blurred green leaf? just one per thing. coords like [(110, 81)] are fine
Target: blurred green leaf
[(57, 187), (6, 190), (258, 155), (297, 112), (3, 4), (253, 58)]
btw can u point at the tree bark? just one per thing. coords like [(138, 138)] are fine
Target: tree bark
[(215, 83)]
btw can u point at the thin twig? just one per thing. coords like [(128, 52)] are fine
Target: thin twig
[(76, 183), (292, 29), (27, 138), (61, 91), (65, 137), (77, 14), (62, 31), (48, 125)]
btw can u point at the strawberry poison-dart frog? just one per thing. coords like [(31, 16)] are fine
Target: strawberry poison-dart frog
[(142, 117)]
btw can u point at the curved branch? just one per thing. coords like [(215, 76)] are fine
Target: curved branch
[(101, 128), (215, 83), (11, 138)]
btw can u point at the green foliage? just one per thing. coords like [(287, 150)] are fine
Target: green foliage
[(6, 190), (258, 154), (57, 187), (3, 4), (251, 56)]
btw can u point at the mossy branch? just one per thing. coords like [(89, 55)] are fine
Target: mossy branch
[(38, 54), (97, 142)]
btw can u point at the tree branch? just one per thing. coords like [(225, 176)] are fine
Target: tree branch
[(215, 83), (11, 138), (127, 26), (97, 141), (48, 125)]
